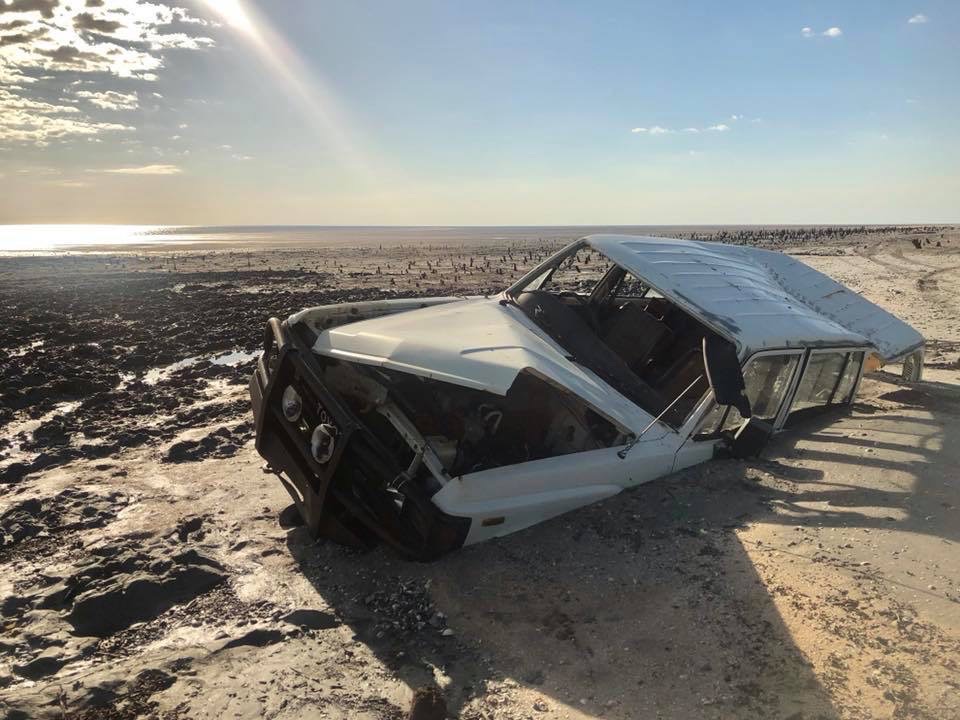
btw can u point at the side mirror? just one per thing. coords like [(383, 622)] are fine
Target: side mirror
[(724, 374)]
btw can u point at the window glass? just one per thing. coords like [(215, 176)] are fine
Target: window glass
[(711, 423), (767, 379), (849, 378), (632, 287), (819, 381)]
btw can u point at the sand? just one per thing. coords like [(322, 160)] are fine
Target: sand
[(145, 570)]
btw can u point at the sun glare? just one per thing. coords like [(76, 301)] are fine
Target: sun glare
[(302, 82), (233, 13)]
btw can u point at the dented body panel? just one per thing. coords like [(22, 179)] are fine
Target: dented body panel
[(477, 343), (436, 422), (760, 299)]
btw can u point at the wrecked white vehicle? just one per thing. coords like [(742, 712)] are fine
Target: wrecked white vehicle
[(434, 423)]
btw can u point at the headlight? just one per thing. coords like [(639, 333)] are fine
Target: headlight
[(291, 404)]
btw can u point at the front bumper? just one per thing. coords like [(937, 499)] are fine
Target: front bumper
[(345, 498)]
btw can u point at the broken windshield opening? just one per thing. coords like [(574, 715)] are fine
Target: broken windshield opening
[(615, 324)]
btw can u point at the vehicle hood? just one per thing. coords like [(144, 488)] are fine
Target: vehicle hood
[(476, 343)]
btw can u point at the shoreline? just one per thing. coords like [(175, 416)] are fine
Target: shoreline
[(819, 580)]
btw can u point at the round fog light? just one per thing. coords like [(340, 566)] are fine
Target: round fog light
[(322, 442), (291, 404)]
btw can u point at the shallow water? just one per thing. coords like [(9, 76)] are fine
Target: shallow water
[(231, 357), (101, 238)]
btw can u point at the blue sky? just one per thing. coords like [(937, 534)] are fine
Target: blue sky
[(361, 112)]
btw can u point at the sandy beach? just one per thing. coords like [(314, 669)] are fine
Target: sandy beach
[(146, 571)]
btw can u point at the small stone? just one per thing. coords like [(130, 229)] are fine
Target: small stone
[(447, 632)]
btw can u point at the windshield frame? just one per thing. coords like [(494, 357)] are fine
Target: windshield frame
[(546, 268)]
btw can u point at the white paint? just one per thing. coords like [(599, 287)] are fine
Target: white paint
[(760, 300)]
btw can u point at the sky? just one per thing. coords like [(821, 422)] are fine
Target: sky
[(490, 112)]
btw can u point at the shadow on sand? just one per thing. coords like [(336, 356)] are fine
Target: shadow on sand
[(648, 604)]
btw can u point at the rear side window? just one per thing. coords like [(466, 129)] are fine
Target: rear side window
[(828, 379), (848, 380)]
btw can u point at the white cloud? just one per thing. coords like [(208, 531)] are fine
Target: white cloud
[(658, 130), (243, 157), (833, 32), (655, 130), (145, 170), (110, 99), (918, 19), (25, 120), (98, 38)]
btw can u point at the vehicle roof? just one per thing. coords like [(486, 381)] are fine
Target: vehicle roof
[(760, 299)]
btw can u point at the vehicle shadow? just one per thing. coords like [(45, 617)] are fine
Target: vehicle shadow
[(642, 605), (648, 604), (901, 437)]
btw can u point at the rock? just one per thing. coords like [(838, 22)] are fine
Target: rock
[(189, 526), (14, 473)]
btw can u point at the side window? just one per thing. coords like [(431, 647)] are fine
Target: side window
[(848, 379), (828, 380), (631, 287), (767, 380)]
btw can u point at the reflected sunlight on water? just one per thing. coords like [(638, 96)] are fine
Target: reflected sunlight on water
[(44, 239), (47, 238)]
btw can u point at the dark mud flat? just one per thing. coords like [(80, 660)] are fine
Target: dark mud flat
[(145, 572), (94, 363)]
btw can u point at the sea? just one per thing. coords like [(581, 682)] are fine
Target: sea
[(17, 239)]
